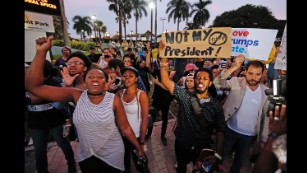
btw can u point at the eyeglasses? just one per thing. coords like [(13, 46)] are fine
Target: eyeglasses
[(75, 63)]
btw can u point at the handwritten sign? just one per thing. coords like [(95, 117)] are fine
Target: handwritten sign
[(281, 60), (205, 43), (253, 43)]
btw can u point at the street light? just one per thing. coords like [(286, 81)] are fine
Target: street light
[(94, 18), (131, 33), (82, 31), (162, 18), (151, 6)]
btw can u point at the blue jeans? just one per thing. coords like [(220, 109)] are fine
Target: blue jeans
[(238, 143), (40, 141)]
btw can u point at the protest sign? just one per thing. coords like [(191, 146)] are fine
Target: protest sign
[(205, 43), (253, 43)]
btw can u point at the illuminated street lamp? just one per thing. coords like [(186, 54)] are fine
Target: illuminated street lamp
[(94, 19), (151, 6), (82, 31), (131, 33), (162, 18)]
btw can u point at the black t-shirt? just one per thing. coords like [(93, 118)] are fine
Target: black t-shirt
[(46, 118), (94, 57)]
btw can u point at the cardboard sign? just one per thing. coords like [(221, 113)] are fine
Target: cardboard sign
[(252, 42), (204, 43)]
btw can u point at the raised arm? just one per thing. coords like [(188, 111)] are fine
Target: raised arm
[(221, 81), (166, 81), (34, 77)]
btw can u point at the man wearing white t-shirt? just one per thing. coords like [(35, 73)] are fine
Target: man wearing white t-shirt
[(245, 110)]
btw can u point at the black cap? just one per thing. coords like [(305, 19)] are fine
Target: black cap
[(92, 47), (131, 69), (129, 49)]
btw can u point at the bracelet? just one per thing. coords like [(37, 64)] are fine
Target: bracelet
[(273, 135), (217, 155), (163, 64)]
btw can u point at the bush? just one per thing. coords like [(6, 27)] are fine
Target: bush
[(77, 45), (58, 43)]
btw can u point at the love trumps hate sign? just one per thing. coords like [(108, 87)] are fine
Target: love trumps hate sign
[(205, 43)]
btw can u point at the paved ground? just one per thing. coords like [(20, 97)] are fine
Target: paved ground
[(161, 158)]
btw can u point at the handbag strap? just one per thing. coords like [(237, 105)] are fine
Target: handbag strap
[(199, 115)]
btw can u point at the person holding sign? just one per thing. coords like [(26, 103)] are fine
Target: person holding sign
[(199, 114), (245, 110)]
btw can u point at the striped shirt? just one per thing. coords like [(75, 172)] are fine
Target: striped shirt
[(97, 131)]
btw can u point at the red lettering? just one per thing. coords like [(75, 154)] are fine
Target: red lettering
[(240, 33)]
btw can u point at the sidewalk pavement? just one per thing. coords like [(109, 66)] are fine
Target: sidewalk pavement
[(161, 158)]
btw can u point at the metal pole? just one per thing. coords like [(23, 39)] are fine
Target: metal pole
[(151, 24), (156, 7)]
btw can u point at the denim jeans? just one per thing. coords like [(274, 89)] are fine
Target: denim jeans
[(238, 143), (40, 141)]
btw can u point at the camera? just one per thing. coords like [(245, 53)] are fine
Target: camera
[(154, 45), (106, 56), (276, 94)]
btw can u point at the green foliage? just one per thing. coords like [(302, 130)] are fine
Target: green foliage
[(248, 16), (58, 43), (88, 45), (57, 56), (77, 45)]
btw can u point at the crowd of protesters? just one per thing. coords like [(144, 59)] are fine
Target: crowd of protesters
[(223, 107)]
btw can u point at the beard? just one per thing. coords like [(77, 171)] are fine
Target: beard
[(252, 82), (198, 91)]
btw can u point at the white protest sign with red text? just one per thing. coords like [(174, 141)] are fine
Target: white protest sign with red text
[(252, 42)]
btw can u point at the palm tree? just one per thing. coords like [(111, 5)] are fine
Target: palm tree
[(192, 25), (121, 9), (201, 13), (82, 23), (98, 26), (58, 29), (179, 9), (138, 6)]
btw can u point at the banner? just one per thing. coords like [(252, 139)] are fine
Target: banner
[(281, 60), (38, 22), (253, 43), (198, 43)]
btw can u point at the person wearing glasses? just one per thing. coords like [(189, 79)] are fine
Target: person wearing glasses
[(73, 76), (99, 116), (77, 64)]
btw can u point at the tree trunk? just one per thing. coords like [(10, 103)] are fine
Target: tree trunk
[(64, 24)]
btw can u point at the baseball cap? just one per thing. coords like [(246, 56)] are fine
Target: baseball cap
[(131, 69), (190, 66), (92, 47)]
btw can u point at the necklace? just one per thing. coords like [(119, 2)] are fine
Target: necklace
[(97, 94), (204, 100)]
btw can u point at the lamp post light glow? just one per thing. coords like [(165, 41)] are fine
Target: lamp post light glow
[(82, 37), (151, 6), (131, 33), (94, 19), (162, 18)]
